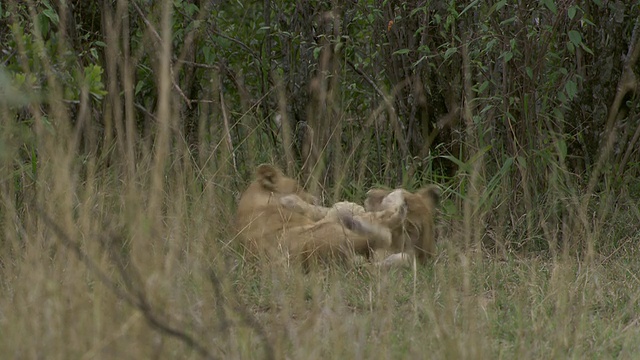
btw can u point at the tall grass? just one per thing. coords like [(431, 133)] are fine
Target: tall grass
[(122, 249)]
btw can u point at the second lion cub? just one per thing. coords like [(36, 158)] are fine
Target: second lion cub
[(414, 237)]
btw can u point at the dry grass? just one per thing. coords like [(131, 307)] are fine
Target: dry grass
[(129, 255), (88, 272)]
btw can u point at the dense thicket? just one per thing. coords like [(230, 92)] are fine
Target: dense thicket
[(514, 107)]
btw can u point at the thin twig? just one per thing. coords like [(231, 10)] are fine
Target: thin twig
[(627, 82), (247, 318), (393, 116), (158, 38), (135, 295), (366, 78), (199, 65), (217, 291), (227, 131), (85, 259)]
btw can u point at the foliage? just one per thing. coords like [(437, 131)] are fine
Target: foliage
[(445, 85), (128, 129)]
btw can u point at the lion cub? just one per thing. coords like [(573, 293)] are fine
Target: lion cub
[(416, 236), (269, 229), (412, 238)]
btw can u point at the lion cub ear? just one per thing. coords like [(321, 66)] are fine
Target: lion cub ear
[(268, 176), (374, 199), (431, 193)]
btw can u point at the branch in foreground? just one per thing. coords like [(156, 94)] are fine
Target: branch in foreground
[(138, 301), (247, 318)]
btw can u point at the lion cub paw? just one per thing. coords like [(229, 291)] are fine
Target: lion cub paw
[(394, 200), (395, 209), (293, 202), (397, 260)]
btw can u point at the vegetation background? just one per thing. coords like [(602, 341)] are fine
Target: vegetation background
[(129, 127)]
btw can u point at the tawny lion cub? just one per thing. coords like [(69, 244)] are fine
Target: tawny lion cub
[(416, 235), (268, 228)]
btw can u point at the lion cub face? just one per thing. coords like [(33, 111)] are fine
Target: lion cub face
[(417, 233), (271, 185)]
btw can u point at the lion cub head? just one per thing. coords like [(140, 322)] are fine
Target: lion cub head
[(259, 210), (417, 233), (270, 185)]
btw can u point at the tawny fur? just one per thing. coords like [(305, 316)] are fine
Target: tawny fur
[(412, 239), (415, 237), (268, 229), (379, 202), (389, 216)]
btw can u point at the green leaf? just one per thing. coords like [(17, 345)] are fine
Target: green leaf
[(562, 97), (529, 72), (450, 51), (420, 60), (586, 48), (571, 88), (461, 164), (93, 78), (483, 86), (572, 11), (43, 22), (401, 52), (551, 5), (508, 21), (562, 148), (11, 93), (139, 87), (522, 161), (51, 15), (575, 37), (495, 180), (507, 55), (490, 45), (191, 9), (495, 7), (486, 108), (473, 3)]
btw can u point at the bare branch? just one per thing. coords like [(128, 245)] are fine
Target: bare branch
[(134, 295), (157, 36), (627, 82), (247, 318)]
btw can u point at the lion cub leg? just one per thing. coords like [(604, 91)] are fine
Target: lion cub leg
[(392, 215), (295, 203), (374, 226), (402, 259)]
